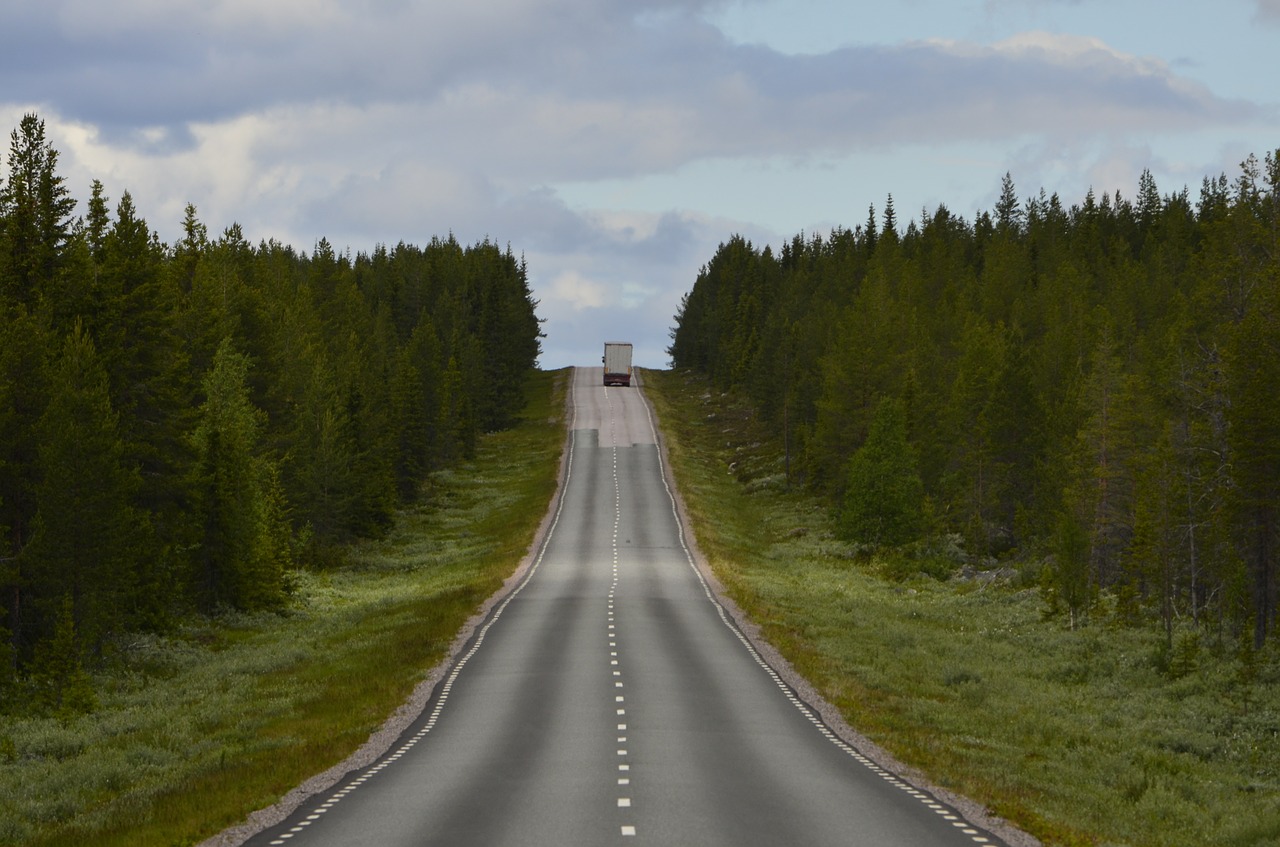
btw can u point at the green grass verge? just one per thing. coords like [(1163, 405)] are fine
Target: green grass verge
[(199, 729), (1081, 737)]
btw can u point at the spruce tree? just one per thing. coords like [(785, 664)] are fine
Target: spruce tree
[(976, 471), (61, 683), (884, 498), (152, 387), (243, 550), (1067, 581), (88, 536), (35, 215), (1254, 440), (25, 343), (409, 421)]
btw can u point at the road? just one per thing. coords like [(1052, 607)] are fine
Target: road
[(610, 700)]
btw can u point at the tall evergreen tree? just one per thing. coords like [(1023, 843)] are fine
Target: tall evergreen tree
[(978, 469), (151, 384), (60, 680), (884, 498), (1068, 581), (1254, 440), (35, 215), (244, 547), (87, 535), (1009, 215), (25, 343), (97, 221)]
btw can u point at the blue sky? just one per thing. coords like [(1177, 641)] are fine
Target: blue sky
[(616, 143)]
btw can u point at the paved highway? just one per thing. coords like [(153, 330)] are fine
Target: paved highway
[(610, 700)]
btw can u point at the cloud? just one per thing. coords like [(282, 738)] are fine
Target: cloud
[(554, 86), (577, 292), (1268, 11), (375, 121)]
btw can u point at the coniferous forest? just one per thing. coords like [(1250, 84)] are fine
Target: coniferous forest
[(181, 425), (1090, 387)]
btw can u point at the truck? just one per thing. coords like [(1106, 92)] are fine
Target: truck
[(617, 363)]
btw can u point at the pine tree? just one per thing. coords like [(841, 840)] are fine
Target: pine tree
[(457, 418), (858, 369), (1254, 440), (244, 548), (1009, 215), (35, 215), (151, 384), (1119, 422), (884, 498), (319, 471), (889, 230), (97, 221), (410, 422), (1154, 547), (977, 473), (61, 682), (25, 344), (1067, 582), (88, 537), (188, 252)]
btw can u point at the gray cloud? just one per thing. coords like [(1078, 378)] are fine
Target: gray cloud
[(597, 88), (375, 121)]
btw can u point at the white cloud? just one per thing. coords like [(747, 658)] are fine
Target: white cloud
[(577, 292), (370, 121), (562, 86)]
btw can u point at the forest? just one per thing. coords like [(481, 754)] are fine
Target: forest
[(1089, 388), (182, 426)]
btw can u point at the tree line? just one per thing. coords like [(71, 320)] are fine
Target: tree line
[(181, 425), (1091, 386)]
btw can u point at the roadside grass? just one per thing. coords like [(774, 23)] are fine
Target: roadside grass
[(198, 729), (1089, 737)]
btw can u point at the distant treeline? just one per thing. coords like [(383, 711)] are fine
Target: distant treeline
[(182, 424), (1096, 386)]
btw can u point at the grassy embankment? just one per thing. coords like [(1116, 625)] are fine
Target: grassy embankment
[(1088, 737), (197, 730)]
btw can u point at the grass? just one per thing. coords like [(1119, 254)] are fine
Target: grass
[(1080, 738), (198, 729)]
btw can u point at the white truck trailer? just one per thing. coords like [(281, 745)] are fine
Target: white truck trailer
[(617, 363)]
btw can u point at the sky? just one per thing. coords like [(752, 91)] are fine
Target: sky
[(614, 144)]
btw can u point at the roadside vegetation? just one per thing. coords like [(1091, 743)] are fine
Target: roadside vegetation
[(1109, 732), (195, 728)]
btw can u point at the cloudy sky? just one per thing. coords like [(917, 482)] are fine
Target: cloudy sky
[(616, 143)]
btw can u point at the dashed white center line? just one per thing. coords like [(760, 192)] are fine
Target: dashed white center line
[(614, 663)]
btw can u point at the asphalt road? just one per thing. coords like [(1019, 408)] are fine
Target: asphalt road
[(610, 700)]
